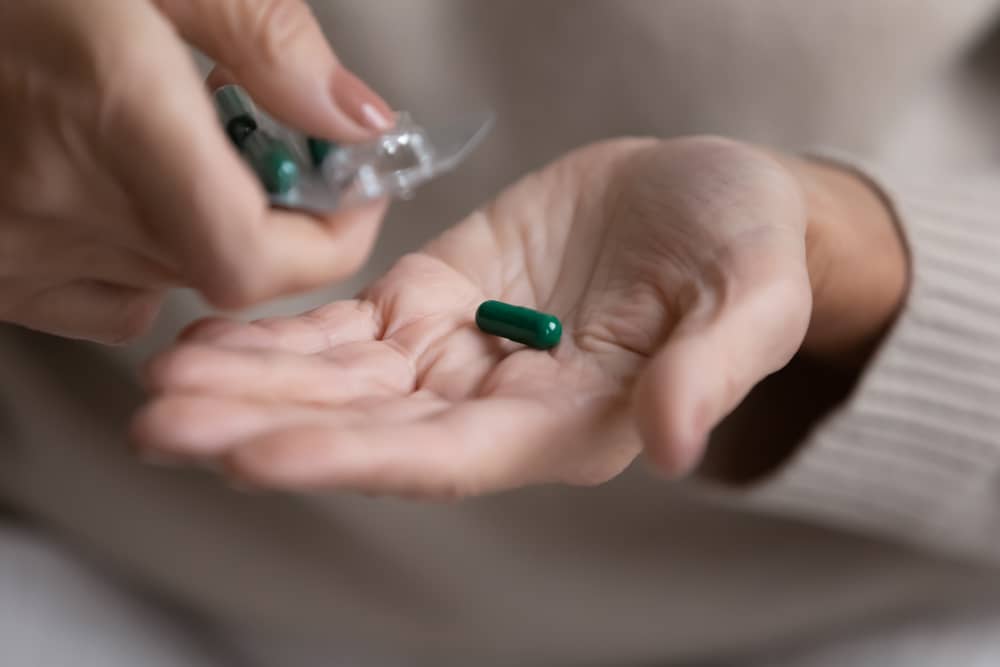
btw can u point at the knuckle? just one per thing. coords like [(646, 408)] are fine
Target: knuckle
[(123, 72), (350, 264), (233, 287), (665, 461), (672, 459), (277, 25), (136, 318)]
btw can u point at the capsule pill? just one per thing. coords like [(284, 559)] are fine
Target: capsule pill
[(272, 161), (237, 112), (319, 149), (541, 331)]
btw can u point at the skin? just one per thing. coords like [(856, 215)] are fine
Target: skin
[(101, 206), (684, 272)]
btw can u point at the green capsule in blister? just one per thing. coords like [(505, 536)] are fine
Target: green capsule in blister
[(272, 161), (237, 113), (320, 176), (319, 149)]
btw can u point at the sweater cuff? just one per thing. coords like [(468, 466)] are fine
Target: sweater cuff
[(914, 453)]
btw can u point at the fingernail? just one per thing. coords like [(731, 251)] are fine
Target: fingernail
[(361, 103)]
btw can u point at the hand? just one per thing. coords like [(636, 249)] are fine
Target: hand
[(116, 180), (681, 272)]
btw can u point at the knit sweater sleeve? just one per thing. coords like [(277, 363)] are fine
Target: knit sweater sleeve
[(914, 453)]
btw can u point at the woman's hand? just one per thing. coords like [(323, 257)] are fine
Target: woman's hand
[(116, 180), (683, 274)]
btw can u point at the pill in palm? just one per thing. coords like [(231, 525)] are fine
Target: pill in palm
[(529, 327)]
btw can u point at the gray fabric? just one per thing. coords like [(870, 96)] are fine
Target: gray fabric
[(958, 639), (56, 611)]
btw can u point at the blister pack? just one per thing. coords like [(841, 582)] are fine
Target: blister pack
[(312, 174)]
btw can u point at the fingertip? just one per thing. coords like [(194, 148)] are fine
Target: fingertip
[(361, 103), (207, 328), (672, 417), (278, 52), (294, 253), (160, 371), (178, 366), (196, 426), (232, 296), (240, 273), (148, 372), (301, 458), (674, 456), (218, 77), (145, 427), (137, 318), (265, 462), (340, 107)]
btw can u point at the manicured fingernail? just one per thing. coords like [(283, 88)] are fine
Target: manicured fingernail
[(361, 103)]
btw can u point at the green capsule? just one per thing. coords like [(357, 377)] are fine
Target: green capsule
[(319, 149), (240, 129), (522, 325), (273, 162), (237, 113)]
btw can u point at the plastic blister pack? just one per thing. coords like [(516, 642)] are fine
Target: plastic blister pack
[(315, 175)]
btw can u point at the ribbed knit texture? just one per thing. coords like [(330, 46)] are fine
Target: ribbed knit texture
[(915, 452)]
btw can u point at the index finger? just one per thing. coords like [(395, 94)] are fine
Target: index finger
[(196, 197)]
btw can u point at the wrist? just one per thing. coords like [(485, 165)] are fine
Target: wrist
[(857, 261)]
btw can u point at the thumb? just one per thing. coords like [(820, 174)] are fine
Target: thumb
[(710, 363), (277, 51)]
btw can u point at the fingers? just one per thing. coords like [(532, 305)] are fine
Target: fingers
[(268, 253), (710, 363), (204, 204), (141, 117), (276, 49), (201, 427), (103, 262), (471, 449), (92, 311), (286, 253), (195, 197), (328, 326), (414, 446), (418, 445), (348, 372)]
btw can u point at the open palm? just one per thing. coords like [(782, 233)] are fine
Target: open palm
[(677, 268)]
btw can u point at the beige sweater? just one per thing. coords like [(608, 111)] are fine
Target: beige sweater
[(866, 527)]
